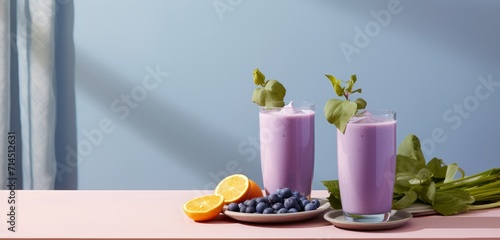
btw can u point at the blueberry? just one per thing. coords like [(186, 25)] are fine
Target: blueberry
[(285, 192), (261, 199), (310, 207), (292, 210), (250, 203), (304, 202), (283, 210), (277, 206), (295, 193), (290, 203), (274, 198), (261, 207), (250, 209), (316, 202), (298, 207), (233, 207), (268, 211), (243, 208)]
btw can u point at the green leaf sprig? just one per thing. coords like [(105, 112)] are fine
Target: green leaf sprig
[(270, 93), (339, 112), (435, 183)]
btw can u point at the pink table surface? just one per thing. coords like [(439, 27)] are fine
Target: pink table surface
[(159, 215)]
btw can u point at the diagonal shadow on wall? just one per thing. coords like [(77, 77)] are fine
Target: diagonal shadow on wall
[(163, 125)]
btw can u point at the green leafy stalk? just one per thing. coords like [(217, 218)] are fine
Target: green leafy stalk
[(481, 178), (484, 206), (270, 93), (440, 189), (338, 112)]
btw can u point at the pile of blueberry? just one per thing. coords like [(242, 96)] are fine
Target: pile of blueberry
[(283, 200)]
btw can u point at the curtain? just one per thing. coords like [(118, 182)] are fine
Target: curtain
[(33, 43), (4, 88)]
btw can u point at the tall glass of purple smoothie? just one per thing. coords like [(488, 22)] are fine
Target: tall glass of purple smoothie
[(367, 165), (287, 147)]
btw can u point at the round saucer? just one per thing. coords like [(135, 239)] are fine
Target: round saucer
[(397, 219)]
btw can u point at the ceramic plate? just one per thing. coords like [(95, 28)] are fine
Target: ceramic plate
[(279, 218), (397, 219)]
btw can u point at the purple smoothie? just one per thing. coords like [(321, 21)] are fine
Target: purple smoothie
[(287, 147), (366, 165)]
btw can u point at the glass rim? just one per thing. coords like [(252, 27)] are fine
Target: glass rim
[(296, 104), (376, 111), (380, 113)]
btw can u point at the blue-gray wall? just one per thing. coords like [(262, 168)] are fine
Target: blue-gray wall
[(186, 69)]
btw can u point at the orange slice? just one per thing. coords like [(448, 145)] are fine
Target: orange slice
[(204, 208), (234, 188)]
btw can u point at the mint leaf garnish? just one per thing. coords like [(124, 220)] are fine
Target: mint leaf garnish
[(271, 93), (361, 103), (259, 96), (339, 112), (258, 77)]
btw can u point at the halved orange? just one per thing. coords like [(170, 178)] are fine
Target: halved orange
[(238, 188), (255, 190), (204, 208), (234, 188)]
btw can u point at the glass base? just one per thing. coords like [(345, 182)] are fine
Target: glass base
[(373, 218)]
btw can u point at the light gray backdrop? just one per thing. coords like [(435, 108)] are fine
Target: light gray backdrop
[(163, 88)]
